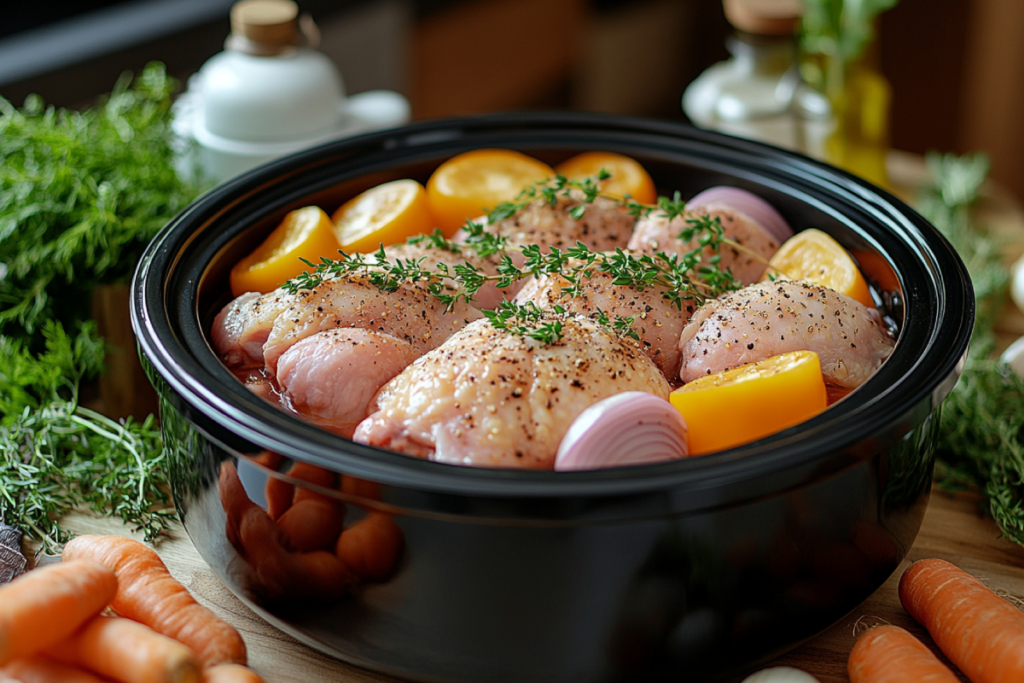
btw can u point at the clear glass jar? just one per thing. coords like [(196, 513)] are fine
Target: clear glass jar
[(759, 94)]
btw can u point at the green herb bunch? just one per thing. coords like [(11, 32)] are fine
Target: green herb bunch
[(56, 455), (980, 441), (81, 195)]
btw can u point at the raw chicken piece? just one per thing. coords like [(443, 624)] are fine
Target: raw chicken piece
[(325, 352), (487, 296), (657, 322), (656, 233), (494, 399), (410, 314), (242, 329), (767, 319), (605, 225), (332, 377)]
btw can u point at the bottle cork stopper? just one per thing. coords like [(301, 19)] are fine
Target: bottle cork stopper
[(268, 23), (764, 17)]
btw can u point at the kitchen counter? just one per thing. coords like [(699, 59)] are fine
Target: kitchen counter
[(954, 529)]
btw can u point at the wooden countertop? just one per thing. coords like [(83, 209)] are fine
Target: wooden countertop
[(954, 529)]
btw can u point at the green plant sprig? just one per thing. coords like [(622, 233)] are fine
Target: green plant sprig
[(689, 277), (56, 455)]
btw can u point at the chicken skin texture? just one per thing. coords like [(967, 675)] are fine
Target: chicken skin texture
[(489, 398), (770, 318), (255, 330), (332, 377), (657, 322), (605, 226), (656, 233), (324, 353)]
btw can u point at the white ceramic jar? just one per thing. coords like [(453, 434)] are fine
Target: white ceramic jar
[(271, 93)]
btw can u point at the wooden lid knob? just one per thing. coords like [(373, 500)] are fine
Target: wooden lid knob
[(764, 17), (271, 24)]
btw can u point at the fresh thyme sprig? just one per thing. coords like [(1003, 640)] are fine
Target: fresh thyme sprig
[(981, 439), (690, 277), (528, 320), (56, 455)]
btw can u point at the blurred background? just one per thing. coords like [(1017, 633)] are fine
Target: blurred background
[(954, 65)]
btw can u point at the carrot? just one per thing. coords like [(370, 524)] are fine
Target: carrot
[(41, 670), (46, 605), (889, 654), (127, 651), (148, 593), (231, 673), (370, 547), (313, 523), (979, 631)]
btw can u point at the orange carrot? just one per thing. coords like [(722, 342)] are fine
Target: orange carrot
[(889, 654), (979, 631), (313, 523), (127, 651), (41, 670), (370, 547), (148, 593), (230, 673), (46, 605)]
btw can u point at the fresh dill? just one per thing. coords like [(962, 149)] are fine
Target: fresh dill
[(81, 195)]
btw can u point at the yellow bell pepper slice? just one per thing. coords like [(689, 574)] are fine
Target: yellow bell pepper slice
[(752, 401)]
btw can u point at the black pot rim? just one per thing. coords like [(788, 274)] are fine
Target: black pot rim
[(922, 369)]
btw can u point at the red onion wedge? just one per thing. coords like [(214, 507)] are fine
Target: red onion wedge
[(749, 204), (631, 428)]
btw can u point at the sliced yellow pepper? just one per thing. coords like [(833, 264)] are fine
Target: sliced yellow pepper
[(752, 401)]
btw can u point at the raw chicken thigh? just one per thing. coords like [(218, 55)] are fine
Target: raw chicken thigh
[(330, 348), (605, 225), (494, 399), (770, 318), (656, 233), (657, 322)]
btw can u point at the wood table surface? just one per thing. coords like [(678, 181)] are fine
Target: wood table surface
[(954, 529)]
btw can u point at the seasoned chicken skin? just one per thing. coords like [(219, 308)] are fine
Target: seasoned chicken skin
[(657, 322), (605, 225), (332, 377), (329, 349), (494, 399), (247, 325), (656, 233), (767, 319)]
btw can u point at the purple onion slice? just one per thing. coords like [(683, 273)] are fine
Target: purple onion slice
[(747, 203), (631, 428)]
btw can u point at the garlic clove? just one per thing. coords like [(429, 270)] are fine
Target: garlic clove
[(780, 674)]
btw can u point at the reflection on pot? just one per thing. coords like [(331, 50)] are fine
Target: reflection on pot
[(299, 547)]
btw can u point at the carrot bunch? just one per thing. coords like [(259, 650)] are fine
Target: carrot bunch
[(53, 625), (980, 632)]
